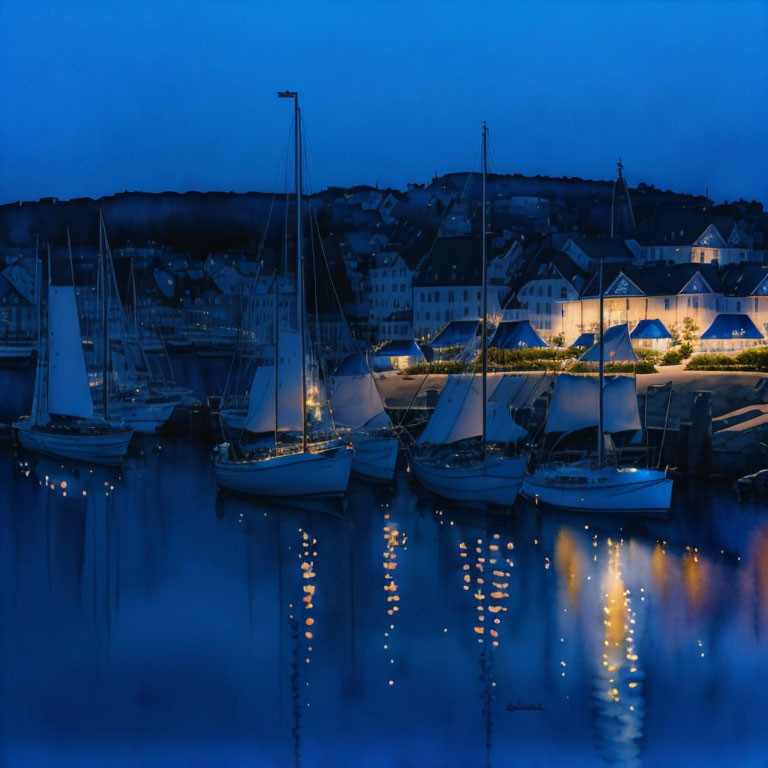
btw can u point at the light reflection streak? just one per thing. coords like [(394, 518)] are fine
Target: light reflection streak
[(394, 539), (620, 704)]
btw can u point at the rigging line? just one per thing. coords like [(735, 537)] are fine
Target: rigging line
[(453, 200), (252, 298), (71, 265), (356, 342)]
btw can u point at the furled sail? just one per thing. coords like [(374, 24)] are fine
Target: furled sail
[(261, 399), (356, 402), (458, 415), (68, 392), (618, 347), (576, 402)]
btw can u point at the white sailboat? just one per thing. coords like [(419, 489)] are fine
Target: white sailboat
[(489, 473), (357, 406), (291, 467), (580, 402), (62, 422), (448, 459), (589, 484)]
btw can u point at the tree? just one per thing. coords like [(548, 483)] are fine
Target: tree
[(689, 328)]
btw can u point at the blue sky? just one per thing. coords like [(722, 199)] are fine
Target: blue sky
[(100, 97)]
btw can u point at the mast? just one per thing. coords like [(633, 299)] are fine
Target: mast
[(600, 415), (135, 308), (47, 346), (601, 375), (276, 336), (485, 292), (300, 298), (105, 318), (40, 356)]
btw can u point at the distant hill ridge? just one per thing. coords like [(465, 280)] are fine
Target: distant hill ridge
[(203, 222)]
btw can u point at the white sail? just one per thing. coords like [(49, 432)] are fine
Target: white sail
[(618, 347), (68, 393), (575, 404), (39, 399), (261, 400), (355, 401), (458, 415)]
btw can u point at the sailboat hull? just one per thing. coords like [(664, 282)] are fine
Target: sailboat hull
[(141, 416), (292, 475), (375, 458), (493, 482), (234, 418), (99, 447), (606, 490)]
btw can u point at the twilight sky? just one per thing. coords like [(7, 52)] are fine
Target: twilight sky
[(153, 95)]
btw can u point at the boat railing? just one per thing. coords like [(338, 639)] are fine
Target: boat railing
[(625, 456)]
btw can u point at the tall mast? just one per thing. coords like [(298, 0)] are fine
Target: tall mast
[(47, 333), (135, 308), (276, 338), (40, 356), (300, 298), (485, 291), (105, 319), (600, 414), (601, 369)]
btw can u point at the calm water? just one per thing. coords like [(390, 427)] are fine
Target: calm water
[(147, 620)]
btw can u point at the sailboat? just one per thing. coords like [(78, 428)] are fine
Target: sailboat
[(593, 484), (293, 466), (131, 400), (62, 422), (452, 465), (357, 406)]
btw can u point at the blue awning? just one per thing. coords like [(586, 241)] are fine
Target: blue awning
[(732, 326), (516, 334), (650, 329), (585, 340), (457, 333), (400, 348)]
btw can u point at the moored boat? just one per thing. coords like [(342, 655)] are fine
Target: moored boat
[(598, 483), (316, 466), (357, 406), (449, 460), (62, 422)]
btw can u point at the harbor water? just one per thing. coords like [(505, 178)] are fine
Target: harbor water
[(148, 620)]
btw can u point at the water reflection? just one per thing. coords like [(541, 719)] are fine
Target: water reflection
[(147, 619), (618, 683), (394, 540)]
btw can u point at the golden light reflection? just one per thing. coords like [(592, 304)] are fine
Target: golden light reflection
[(569, 565), (394, 540), (696, 578), (307, 554), (490, 570), (660, 569), (619, 678), (754, 579)]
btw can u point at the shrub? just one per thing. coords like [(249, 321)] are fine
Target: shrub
[(509, 356), (653, 355), (440, 366), (756, 358), (448, 353), (686, 349), (712, 361), (672, 357), (643, 366)]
